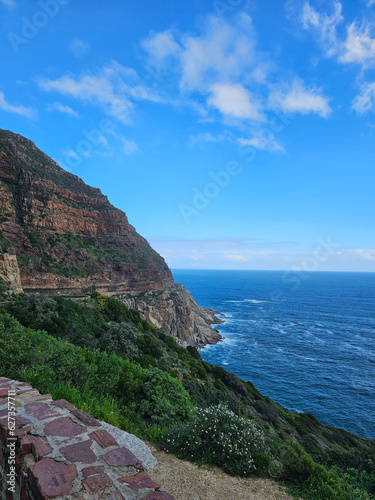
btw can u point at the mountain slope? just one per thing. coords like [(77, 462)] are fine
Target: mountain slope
[(66, 235)]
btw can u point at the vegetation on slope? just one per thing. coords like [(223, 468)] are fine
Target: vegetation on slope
[(159, 390)]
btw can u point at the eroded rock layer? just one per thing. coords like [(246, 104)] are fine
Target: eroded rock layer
[(66, 234), (176, 310)]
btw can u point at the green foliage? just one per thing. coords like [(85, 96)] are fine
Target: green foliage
[(3, 288), (217, 436), (311, 480), (49, 364), (145, 382), (165, 400), (149, 346), (121, 338)]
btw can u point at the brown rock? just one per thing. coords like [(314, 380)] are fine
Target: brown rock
[(139, 482), (122, 457), (91, 471), (63, 403), (103, 438), (79, 452), (52, 478), (41, 411), (85, 418), (36, 445), (95, 483), (63, 426)]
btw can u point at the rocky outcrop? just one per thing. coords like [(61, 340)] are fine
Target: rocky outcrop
[(66, 234), (10, 273), (51, 449), (175, 309)]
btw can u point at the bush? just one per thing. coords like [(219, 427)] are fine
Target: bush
[(164, 399), (216, 435), (121, 338)]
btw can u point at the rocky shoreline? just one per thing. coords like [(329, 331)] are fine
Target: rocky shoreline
[(175, 309)]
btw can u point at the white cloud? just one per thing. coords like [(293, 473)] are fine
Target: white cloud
[(129, 147), (114, 88), (262, 141), (70, 153), (235, 101), (296, 98), (370, 3), (365, 101), (359, 46), (9, 3), (365, 254), (19, 110), (79, 48), (160, 47), (324, 25), (208, 137), (57, 106), (222, 53)]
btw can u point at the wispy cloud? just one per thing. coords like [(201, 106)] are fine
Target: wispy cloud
[(263, 141), (129, 147), (358, 44), (79, 48), (19, 110), (296, 98), (365, 100), (208, 137), (114, 88), (9, 3), (161, 47), (57, 106)]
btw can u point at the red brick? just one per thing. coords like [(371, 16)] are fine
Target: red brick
[(95, 483), (40, 411), (159, 495), (103, 438), (139, 482), (122, 457), (3, 392), (63, 426), (36, 445), (91, 471), (51, 478), (79, 452), (86, 418)]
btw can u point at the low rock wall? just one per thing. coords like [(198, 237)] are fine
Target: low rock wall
[(51, 449)]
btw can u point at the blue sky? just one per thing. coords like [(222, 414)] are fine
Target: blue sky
[(235, 134)]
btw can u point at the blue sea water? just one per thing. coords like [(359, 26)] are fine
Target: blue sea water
[(305, 340)]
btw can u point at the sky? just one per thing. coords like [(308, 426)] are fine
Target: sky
[(235, 134)]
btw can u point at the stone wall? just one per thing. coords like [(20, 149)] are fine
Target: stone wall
[(51, 449)]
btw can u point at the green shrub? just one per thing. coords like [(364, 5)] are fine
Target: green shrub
[(164, 399), (148, 345), (216, 435)]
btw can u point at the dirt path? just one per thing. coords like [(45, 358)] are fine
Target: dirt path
[(186, 481)]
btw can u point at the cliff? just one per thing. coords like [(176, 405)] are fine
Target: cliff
[(66, 235), (10, 273), (57, 234), (175, 309)]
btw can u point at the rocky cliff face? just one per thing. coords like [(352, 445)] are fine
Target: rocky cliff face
[(176, 310), (10, 273), (66, 234)]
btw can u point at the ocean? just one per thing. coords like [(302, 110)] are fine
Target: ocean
[(305, 340)]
